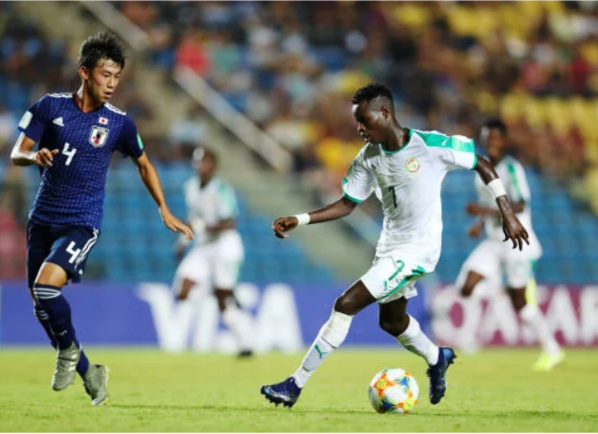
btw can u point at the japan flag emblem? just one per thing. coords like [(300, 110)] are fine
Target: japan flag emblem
[(103, 121), (98, 136)]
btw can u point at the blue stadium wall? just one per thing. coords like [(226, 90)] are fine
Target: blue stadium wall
[(125, 299)]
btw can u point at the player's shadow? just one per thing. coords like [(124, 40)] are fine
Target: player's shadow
[(171, 407), (524, 414), (237, 409)]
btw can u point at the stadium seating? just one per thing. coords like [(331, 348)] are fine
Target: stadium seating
[(565, 229), (135, 246)]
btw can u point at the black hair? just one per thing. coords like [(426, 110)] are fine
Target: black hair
[(102, 45), (371, 91), (495, 123)]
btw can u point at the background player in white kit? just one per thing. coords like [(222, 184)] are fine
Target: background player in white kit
[(216, 257), (405, 169), (491, 258)]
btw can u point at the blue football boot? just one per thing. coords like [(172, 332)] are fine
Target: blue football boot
[(285, 393), (436, 373)]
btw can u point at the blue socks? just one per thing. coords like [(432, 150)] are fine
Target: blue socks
[(52, 301), (44, 320), (54, 314), (83, 364)]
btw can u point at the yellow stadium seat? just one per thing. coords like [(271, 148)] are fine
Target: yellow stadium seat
[(349, 80), (534, 112), (557, 114), (591, 151), (411, 15), (517, 19), (589, 51), (511, 107), (486, 102)]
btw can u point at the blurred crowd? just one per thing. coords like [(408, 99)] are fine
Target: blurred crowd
[(292, 66)]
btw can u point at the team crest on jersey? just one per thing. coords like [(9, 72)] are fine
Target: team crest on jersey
[(412, 165), (98, 136)]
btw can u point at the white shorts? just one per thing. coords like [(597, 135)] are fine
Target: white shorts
[(391, 278), (214, 265), (491, 258)]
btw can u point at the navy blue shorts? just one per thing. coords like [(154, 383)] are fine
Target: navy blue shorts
[(65, 246)]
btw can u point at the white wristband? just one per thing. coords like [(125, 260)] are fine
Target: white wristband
[(302, 219), (496, 188)]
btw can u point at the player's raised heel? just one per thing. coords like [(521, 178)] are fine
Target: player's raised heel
[(95, 382), (285, 393), (66, 367), (437, 373)]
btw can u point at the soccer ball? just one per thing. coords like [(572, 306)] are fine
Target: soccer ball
[(393, 390)]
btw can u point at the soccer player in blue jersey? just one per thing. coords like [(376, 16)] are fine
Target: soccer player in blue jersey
[(76, 135)]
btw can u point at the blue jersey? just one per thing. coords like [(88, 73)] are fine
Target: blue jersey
[(72, 190)]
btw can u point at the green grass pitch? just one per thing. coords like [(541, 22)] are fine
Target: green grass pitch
[(494, 390)]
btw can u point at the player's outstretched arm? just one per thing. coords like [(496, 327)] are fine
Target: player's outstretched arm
[(482, 211), (150, 178), (22, 153), (512, 227), (336, 210)]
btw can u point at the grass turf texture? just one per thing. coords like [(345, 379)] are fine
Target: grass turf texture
[(151, 391)]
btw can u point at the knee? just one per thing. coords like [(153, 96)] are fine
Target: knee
[(52, 275), (43, 293), (517, 300), (466, 290), (345, 304), (394, 327), (185, 289), (222, 302), (225, 298)]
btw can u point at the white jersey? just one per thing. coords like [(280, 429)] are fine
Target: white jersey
[(408, 183), (512, 174), (216, 258), (208, 206)]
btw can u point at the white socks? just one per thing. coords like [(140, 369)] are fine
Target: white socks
[(331, 336), (531, 315), (333, 333), (232, 317), (414, 340)]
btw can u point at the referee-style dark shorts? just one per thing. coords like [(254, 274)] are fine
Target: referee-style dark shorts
[(66, 246)]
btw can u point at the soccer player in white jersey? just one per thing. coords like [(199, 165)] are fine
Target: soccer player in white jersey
[(405, 169), (215, 260), (491, 258)]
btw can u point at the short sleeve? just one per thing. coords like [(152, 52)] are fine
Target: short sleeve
[(129, 142), (359, 182), (227, 203), (454, 152), (459, 153), (516, 185), (35, 119)]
